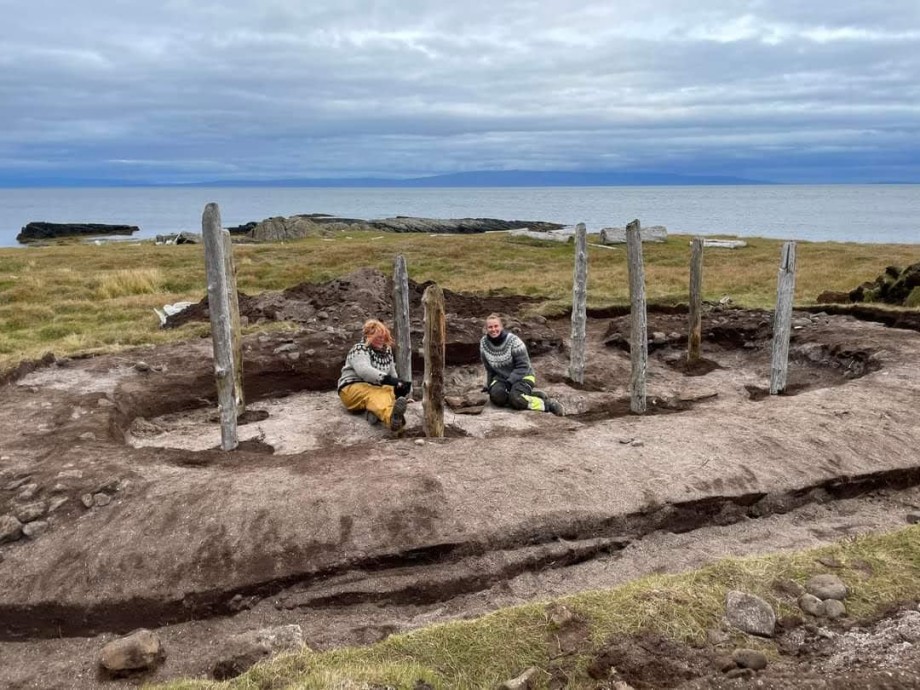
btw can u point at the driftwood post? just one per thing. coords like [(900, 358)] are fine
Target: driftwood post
[(226, 342), (638, 331), (434, 348), (401, 319), (782, 319), (579, 305), (696, 300)]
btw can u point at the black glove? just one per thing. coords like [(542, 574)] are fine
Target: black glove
[(484, 389), (389, 381), (403, 388)]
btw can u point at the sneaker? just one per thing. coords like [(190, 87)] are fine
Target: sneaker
[(398, 417), (371, 418), (555, 407)]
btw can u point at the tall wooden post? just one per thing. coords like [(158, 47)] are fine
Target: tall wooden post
[(579, 305), (782, 319), (225, 333), (401, 319), (696, 300), (434, 347), (638, 335)]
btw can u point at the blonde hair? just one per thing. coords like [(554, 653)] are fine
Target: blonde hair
[(495, 317), (372, 327)]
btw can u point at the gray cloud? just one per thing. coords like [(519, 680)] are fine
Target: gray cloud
[(182, 91)]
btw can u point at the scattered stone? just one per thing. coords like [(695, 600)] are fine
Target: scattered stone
[(104, 402), (750, 658), (750, 613), (830, 562), (801, 322), (34, 529), (101, 499), (913, 518), (717, 637), (57, 503), (310, 352), (240, 652), (725, 663), (811, 605), (16, 483), (790, 587), (826, 586), (525, 681), (110, 486), (322, 315), (739, 673), (293, 356), (31, 511), (834, 608), (70, 474), (10, 529), (88, 436), (286, 347), (141, 366), (420, 442), (59, 488), (87, 500), (27, 492), (637, 443), (139, 650)]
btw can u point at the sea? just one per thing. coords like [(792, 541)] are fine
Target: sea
[(820, 213)]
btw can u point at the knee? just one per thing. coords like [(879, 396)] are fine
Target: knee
[(498, 395)]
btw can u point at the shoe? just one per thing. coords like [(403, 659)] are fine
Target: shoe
[(371, 418), (398, 417), (555, 407)]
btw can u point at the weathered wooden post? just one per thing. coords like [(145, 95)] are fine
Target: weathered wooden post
[(696, 300), (225, 327), (782, 319), (401, 319), (434, 348), (579, 305), (638, 335)]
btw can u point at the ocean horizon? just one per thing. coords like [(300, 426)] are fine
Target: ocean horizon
[(886, 214)]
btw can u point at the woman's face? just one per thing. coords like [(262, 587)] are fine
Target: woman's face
[(377, 340), (493, 327)]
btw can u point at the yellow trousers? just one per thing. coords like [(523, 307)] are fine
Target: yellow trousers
[(358, 397)]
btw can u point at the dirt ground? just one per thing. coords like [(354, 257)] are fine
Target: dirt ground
[(322, 520)]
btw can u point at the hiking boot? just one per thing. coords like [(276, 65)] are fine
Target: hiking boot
[(371, 418), (398, 417), (555, 407)]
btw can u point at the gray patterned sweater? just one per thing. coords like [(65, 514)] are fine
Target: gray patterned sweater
[(505, 358), (364, 363)]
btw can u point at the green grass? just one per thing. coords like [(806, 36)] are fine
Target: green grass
[(481, 653), (74, 298)]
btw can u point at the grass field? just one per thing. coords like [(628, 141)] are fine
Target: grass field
[(85, 298)]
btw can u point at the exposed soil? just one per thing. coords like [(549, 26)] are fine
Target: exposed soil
[(325, 521)]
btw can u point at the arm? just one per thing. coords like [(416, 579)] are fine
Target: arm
[(360, 360), (521, 359)]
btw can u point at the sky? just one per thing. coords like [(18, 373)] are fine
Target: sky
[(177, 91)]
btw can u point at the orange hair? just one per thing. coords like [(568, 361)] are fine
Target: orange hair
[(372, 327)]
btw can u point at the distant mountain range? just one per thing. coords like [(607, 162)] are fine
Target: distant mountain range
[(500, 178)]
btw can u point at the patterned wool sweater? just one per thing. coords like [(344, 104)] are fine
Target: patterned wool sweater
[(364, 363), (505, 358)]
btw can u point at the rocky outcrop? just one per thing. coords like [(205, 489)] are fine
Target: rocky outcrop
[(895, 286), (318, 224), (37, 231)]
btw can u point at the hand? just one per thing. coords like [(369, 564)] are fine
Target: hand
[(484, 389), (403, 388), (389, 381)]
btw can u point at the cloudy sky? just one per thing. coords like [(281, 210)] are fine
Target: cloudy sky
[(189, 90)]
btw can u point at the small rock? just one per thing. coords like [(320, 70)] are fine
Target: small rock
[(87, 500), (801, 322), (322, 315), (34, 529), (287, 347), (790, 587), (525, 681), (420, 442), (104, 402), (725, 299), (59, 488), (750, 658), (88, 436), (240, 652), (811, 605), (739, 673), (141, 366), (834, 608), (27, 492), (139, 650), (725, 663), (31, 511), (70, 474), (637, 443), (750, 613), (293, 356), (10, 529), (101, 499), (16, 483), (913, 518), (57, 503), (716, 637), (826, 586)]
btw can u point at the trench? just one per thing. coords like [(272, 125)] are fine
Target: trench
[(440, 572)]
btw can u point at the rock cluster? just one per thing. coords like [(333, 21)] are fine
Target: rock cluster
[(37, 231), (895, 286)]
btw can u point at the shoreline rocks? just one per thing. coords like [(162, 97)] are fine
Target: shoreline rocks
[(40, 230)]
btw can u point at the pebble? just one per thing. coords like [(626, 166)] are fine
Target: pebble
[(87, 500), (16, 483), (101, 499), (834, 608), (34, 529), (57, 503), (420, 442), (750, 658), (913, 518), (141, 366)]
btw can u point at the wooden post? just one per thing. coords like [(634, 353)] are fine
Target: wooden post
[(236, 338), (216, 264), (696, 300), (579, 305), (638, 335), (782, 319), (401, 319), (434, 347)]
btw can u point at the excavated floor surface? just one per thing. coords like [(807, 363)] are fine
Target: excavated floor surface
[(323, 520)]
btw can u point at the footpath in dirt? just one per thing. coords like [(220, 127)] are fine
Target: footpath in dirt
[(132, 518)]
